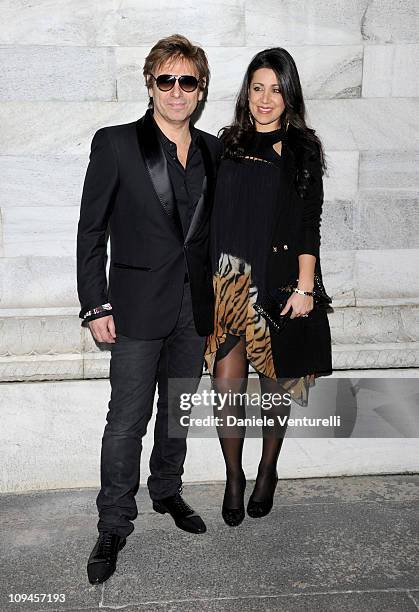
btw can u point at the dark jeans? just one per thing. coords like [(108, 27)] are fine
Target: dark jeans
[(136, 367)]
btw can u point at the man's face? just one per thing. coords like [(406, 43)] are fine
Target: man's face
[(176, 105)]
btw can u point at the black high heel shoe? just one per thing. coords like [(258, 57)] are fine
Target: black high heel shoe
[(234, 516), (257, 509)]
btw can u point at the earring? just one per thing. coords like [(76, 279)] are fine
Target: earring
[(286, 127), (251, 118)]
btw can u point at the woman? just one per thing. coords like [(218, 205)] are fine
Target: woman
[(266, 226)]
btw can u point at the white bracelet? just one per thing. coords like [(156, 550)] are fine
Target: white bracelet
[(300, 292)]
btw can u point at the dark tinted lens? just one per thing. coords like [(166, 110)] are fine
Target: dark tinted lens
[(188, 83), (165, 82)]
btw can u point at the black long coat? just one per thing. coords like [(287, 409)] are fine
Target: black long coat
[(127, 192), (304, 345)]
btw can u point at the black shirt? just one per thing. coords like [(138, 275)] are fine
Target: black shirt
[(186, 182)]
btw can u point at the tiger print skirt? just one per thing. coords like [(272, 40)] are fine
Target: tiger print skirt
[(235, 296)]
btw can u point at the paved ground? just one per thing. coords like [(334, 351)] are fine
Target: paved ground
[(347, 544)]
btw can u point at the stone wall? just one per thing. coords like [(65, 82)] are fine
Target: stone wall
[(68, 68)]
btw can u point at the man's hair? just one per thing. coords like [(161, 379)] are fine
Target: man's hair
[(173, 48)]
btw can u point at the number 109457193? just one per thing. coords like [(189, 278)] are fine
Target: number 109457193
[(36, 597)]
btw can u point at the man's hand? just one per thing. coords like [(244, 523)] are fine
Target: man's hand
[(103, 329)]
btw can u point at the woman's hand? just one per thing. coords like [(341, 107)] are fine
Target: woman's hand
[(301, 305)]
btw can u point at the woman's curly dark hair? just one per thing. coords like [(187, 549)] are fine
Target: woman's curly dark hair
[(302, 140)]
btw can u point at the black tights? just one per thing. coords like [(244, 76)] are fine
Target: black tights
[(230, 375)]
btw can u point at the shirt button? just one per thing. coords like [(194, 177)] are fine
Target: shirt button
[(285, 247)]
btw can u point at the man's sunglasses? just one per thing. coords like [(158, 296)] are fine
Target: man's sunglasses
[(166, 82)]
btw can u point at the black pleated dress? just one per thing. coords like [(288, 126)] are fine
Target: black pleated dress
[(244, 211)]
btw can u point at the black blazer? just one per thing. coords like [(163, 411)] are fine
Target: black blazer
[(128, 194), (296, 229), (304, 345)]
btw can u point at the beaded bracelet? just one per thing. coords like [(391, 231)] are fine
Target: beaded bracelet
[(97, 310)]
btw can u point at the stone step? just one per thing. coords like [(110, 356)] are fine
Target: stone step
[(56, 347)]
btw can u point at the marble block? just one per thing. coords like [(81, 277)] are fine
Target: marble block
[(385, 170), (215, 116), (405, 82), (38, 282), (338, 269), (40, 230), (409, 318), (375, 325), (301, 22), (329, 71), (386, 276), (391, 71), (387, 21), (1, 234), (366, 356), (341, 180), (35, 180), (57, 73), (39, 335), (363, 124), (129, 79), (377, 73), (69, 22), (337, 225), (219, 22), (41, 367), (387, 219), (130, 23), (60, 128)]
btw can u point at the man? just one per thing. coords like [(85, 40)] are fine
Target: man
[(150, 185)]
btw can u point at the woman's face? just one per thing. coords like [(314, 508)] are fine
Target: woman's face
[(266, 103)]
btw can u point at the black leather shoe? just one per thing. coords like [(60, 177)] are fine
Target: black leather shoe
[(234, 516), (184, 516), (257, 509), (102, 561)]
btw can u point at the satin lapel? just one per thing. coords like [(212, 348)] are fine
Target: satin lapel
[(208, 185), (156, 164)]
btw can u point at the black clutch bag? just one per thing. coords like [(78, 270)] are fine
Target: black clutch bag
[(275, 301)]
